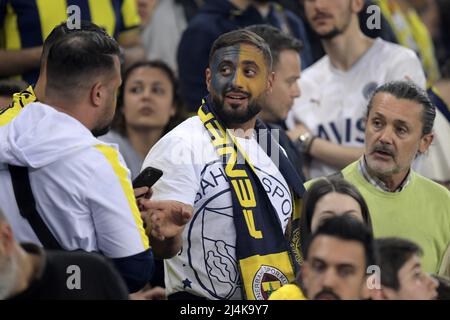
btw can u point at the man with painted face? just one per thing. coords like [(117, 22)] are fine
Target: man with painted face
[(236, 180), (216, 17), (402, 203)]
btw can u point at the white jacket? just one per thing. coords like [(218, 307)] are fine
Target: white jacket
[(81, 185)]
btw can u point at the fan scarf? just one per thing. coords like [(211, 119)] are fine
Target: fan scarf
[(265, 257)]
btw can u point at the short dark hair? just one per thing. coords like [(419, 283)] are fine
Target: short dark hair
[(319, 189), (444, 287), (119, 124), (393, 253), (77, 59), (62, 29), (277, 40), (409, 91), (10, 86), (240, 36), (347, 228)]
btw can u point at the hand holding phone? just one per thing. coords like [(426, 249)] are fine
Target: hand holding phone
[(147, 178)]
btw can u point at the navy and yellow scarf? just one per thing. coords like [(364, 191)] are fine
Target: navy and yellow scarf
[(264, 256)]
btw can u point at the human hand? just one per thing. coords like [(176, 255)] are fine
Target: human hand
[(166, 218), (149, 293), (297, 131)]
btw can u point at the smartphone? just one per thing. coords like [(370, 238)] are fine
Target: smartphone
[(147, 178)]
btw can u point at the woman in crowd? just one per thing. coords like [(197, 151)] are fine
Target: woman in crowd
[(149, 106), (327, 197)]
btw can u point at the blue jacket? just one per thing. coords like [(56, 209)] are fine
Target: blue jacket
[(213, 19)]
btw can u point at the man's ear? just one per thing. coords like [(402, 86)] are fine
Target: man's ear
[(270, 80), (425, 142), (357, 5), (208, 79), (97, 94)]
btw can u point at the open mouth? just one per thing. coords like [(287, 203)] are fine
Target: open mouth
[(383, 154), (146, 111), (327, 296), (235, 95), (321, 18), (236, 98)]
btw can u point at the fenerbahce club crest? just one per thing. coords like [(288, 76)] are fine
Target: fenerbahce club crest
[(267, 280)]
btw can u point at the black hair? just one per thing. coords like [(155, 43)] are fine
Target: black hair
[(443, 288), (409, 91), (10, 86), (277, 40), (76, 60), (319, 189), (62, 29), (242, 36), (393, 253), (350, 229), (119, 124)]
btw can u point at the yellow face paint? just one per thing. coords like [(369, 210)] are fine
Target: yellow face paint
[(251, 73), (239, 77)]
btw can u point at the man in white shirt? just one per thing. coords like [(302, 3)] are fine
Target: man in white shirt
[(61, 187), (233, 247), (329, 116)]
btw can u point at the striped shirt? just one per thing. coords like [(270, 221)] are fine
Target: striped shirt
[(27, 23), (377, 183)]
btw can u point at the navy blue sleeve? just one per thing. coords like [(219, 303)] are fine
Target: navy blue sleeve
[(136, 270), (192, 57), (2, 12), (299, 31)]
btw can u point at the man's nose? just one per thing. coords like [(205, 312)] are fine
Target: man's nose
[(238, 79), (296, 92), (387, 135), (432, 283), (329, 278)]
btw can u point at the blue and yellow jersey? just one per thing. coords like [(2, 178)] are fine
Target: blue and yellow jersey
[(20, 100), (27, 23)]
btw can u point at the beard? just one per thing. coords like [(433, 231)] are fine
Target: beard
[(328, 293), (338, 30), (379, 170), (97, 132), (235, 117), (8, 276), (332, 34)]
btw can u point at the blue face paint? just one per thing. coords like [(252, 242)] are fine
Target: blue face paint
[(239, 77)]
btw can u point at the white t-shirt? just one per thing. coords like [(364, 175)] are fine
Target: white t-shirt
[(333, 103), (193, 174)]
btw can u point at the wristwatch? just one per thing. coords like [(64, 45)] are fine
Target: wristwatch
[(304, 142)]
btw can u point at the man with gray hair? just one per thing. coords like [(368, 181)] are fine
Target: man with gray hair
[(402, 203)]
